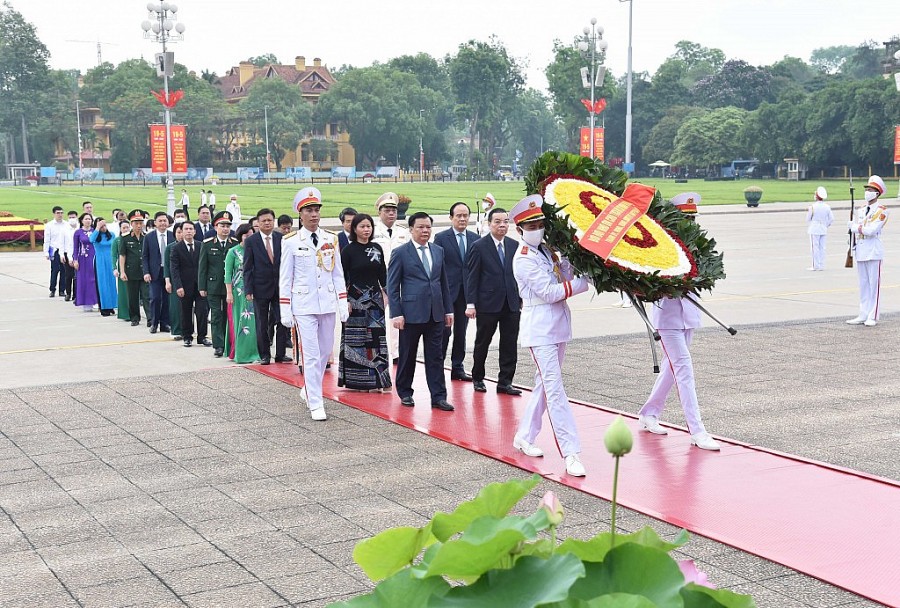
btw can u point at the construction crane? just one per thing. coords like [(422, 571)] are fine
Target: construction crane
[(99, 47)]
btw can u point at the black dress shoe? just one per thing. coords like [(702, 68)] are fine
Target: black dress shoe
[(460, 376), (204, 341), (264, 361), (218, 352), (149, 322), (479, 386), (52, 294), (283, 360), (165, 328), (187, 343), (135, 323), (68, 298), (407, 401), (509, 389), (395, 360), (176, 337), (443, 405), (153, 329)]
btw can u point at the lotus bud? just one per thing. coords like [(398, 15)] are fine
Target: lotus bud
[(618, 438), (555, 511), (692, 575)]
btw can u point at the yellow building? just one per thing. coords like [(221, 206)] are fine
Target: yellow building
[(95, 144), (312, 81)]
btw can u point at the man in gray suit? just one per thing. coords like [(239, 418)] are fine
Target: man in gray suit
[(420, 307)]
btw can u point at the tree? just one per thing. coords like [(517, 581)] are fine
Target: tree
[(264, 59), (534, 127), (774, 132), (830, 59), (709, 139), (290, 116), (699, 61), (485, 80), (873, 111), (828, 140), (737, 84), (660, 143)]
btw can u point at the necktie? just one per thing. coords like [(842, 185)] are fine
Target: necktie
[(315, 239), (501, 253), (425, 260), (162, 248), (269, 249), (462, 246), (390, 232), (191, 249)]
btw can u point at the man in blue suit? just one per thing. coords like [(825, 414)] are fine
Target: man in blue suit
[(346, 216), (420, 307), (153, 252), (494, 301), (457, 241), (262, 262)]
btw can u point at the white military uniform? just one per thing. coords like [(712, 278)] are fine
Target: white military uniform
[(545, 282), (818, 218), (399, 236), (235, 210), (675, 319), (868, 253), (312, 292)]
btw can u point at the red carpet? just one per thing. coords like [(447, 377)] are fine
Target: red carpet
[(834, 524)]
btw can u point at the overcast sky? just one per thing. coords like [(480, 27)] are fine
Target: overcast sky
[(220, 33)]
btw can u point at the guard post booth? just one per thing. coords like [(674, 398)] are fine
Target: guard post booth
[(796, 170), (18, 173)]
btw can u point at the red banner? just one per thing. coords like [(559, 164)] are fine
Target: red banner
[(158, 149), (614, 221), (179, 149), (585, 146), (897, 145)]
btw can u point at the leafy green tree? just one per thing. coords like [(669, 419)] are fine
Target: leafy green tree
[(709, 139), (534, 127), (828, 139), (699, 61), (737, 84), (264, 60), (290, 116), (660, 144), (777, 131), (864, 62), (830, 59), (873, 111)]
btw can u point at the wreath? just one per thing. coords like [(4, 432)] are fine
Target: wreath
[(662, 254)]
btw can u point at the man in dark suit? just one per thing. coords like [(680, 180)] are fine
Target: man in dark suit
[(420, 307), (494, 300), (346, 216), (457, 241), (153, 253), (183, 264), (262, 259), (203, 226)]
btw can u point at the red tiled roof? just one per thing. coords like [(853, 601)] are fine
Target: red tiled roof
[(313, 81)]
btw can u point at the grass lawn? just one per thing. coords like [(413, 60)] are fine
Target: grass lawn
[(435, 198)]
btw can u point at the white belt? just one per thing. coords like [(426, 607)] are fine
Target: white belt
[(532, 302)]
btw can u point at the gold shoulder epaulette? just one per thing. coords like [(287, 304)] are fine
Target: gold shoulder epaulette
[(209, 240)]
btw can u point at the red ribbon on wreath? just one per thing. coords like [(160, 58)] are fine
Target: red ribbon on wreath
[(170, 100)]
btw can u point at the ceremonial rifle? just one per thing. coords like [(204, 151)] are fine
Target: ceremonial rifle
[(690, 297), (638, 306), (848, 263)]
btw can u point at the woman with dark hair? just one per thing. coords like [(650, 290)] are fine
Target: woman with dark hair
[(102, 239), (122, 286), (174, 300), (83, 263), (240, 340), (364, 363)]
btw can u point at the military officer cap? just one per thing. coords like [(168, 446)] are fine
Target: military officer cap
[(686, 202), (307, 197), (528, 209), (136, 215), (388, 199), (222, 217), (489, 201), (876, 183), (821, 193)]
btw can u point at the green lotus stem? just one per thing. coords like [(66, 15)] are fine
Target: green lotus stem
[(553, 538), (615, 489)]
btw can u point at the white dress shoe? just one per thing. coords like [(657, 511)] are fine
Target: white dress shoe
[(651, 423), (318, 414), (705, 442), (856, 321), (870, 323), (527, 448), (574, 466)]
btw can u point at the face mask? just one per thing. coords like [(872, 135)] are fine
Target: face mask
[(533, 237), (870, 196), (73, 222)]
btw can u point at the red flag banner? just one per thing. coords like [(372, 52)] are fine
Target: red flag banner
[(179, 149), (585, 142), (158, 148), (897, 145)]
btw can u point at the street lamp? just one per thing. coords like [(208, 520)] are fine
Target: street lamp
[(593, 45), (421, 149), (159, 27), (628, 89), (266, 115)]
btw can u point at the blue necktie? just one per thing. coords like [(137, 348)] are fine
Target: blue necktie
[(425, 261), (462, 246), (502, 254)]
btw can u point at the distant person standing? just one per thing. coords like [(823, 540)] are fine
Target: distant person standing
[(234, 209), (130, 265), (346, 216), (121, 285), (262, 260), (818, 218), (390, 235), (211, 278), (203, 228), (203, 198), (184, 262), (102, 240), (83, 262), (868, 252), (487, 204), (211, 200), (54, 243), (68, 257), (153, 254), (185, 202), (241, 338)]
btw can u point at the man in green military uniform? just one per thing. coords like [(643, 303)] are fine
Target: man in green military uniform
[(211, 277), (130, 269)]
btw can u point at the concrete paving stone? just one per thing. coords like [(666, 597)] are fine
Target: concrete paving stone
[(93, 466), (77, 455), (318, 530), (57, 597), (149, 539), (169, 444), (250, 595), (118, 504), (362, 507), (320, 485), (12, 562), (124, 593), (183, 557), (275, 565), (88, 480), (101, 572), (33, 496), (273, 542), (222, 469), (766, 598), (20, 471), (750, 566), (206, 578), (808, 590), (129, 523), (62, 556), (12, 540), (217, 529), (329, 582), (339, 553), (377, 522)]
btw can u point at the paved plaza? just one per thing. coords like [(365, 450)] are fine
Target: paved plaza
[(137, 472)]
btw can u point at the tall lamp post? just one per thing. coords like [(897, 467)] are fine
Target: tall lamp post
[(593, 46), (421, 149), (159, 27), (628, 89), (266, 115)]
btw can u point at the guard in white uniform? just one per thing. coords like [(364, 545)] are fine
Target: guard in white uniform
[(818, 218), (868, 252), (312, 293), (487, 203), (390, 235), (545, 282), (676, 319)]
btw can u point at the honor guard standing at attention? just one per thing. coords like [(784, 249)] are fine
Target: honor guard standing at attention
[(545, 282), (131, 265), (211, 277), (312, 293), (390, 235), (868, 252), (487, 204), (818, 218), (676, 319)]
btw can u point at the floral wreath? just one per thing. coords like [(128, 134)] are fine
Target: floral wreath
[(663, 254)]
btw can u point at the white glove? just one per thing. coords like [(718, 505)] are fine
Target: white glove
[(287, 319), (343, 311), (851, 226)]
